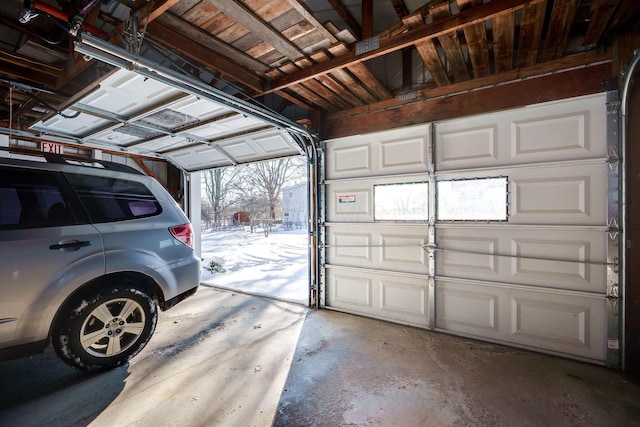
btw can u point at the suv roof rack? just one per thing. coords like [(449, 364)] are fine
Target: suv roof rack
[(71, 159)]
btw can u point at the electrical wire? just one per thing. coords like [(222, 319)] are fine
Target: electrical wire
[(56, 22), (58, 112)]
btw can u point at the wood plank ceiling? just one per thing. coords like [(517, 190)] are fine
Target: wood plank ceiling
[(317, 60)]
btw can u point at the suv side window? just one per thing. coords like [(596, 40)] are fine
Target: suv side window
[(30, 199), (110, 199)]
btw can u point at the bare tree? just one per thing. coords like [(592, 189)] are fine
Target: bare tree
[(219, 183), (268, 178)]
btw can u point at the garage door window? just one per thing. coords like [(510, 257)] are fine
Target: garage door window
[(482, 199), (401, 202)]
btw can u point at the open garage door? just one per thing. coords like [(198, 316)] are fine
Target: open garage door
[(155, 111), (143, 108), (502, 227)]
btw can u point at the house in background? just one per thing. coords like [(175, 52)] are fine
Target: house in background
[(295, 210)]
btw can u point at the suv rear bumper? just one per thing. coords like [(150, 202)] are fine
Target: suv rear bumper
[(166, 305)]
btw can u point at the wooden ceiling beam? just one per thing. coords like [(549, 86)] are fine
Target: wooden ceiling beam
[(601, 13), (180, 42), (205, 39), (360, 71), (30, 66), (582, 81), (428, 52), (258, 27), (451, 44), (417, 35), (367, 19), (362, 95), (476, 37), (559, 26), (503, 37), (400, 8), (583, 60), (531, 26), (347, 17), (306, 14)]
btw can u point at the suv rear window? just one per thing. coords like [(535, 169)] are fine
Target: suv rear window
[(110, 199), (31, 199)]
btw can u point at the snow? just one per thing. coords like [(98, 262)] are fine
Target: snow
[(276, 265)]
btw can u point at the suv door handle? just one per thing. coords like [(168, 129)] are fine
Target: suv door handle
[(73, 245)]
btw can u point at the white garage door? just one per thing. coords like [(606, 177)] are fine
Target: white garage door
[(502, 227)]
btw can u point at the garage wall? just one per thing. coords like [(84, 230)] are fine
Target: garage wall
[(536, 279)]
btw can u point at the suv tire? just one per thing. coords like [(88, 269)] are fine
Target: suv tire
[(106, 329)]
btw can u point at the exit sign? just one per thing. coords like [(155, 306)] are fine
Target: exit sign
[(51, 147)]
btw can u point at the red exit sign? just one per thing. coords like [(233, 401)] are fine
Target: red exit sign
[(52, 147)]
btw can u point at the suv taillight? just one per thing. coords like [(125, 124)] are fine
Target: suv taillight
[(184, 233)]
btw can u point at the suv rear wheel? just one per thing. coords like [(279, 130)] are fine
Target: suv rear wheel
[(106, 329)]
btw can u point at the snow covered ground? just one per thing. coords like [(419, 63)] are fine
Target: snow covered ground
[(276, 265)]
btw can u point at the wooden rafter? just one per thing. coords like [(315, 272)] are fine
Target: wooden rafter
[(503, 34), (187, 47), (199, 36), (530, 33), (247, 19), (409, 38), (559, 26), (476, 37), (400, 8), (347, 17), (360, 71), (306, 14), (451, 44), (601, 13), (428, 52), (508, 94)]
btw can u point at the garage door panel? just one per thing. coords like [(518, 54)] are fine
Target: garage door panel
[(350, 202), (572, 324), (562, 194), (404, 154), (559, 258), (82, 124), (467, 309), (566, 133), (353, 200), (561, 131), (533, 318), (385, 153), (399, 298), (379, 246), (200, 157), (571, 262), (468, 254), (350, 160), (350, 248), (388, 296), (351, 290), (569, 323), (475, 146)]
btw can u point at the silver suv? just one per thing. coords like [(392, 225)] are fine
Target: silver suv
[(88, 251)]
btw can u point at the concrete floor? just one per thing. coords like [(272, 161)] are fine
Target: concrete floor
[(353, 371), (231, 359)]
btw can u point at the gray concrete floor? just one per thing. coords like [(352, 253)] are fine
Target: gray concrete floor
[(354, 371), (231, 359)]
